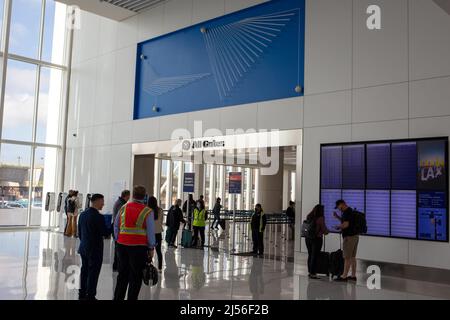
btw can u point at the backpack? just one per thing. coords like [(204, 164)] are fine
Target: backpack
[(308, 230), (360, 222), (71, 207)]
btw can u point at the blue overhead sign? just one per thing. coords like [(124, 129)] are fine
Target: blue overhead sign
[(253, 55), (189, 182)]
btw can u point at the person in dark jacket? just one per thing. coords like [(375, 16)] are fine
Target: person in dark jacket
[(314, 244), (188, 209), (216, 213), (66, 208), (92, 231), (174, 220), (258, 225), (290, 213), (120, 202), (202, 201)]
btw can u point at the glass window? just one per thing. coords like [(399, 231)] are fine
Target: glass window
[(175, 180), (292, 193), (188, 167), (25, 28), (21, 109), (207, 184), (49, 106), (164, 183), (218, 181), (2, 5), (44, 179), (54, 35), (19, 101), (15, 163)]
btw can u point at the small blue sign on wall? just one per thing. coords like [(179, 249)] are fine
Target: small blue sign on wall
[(188, 182), (253, 55)]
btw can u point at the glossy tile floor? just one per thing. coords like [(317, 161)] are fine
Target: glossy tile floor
[(41, 265)]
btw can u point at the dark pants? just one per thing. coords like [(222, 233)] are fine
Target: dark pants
[(173, 235), (216, 221), (132, 261), (197, 231), (91, 264), (116, 257), (314, 246), (158, 237), (258, 242)]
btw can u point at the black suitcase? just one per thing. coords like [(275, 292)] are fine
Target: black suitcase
[(337, 263), (222, 224), (323, 263)]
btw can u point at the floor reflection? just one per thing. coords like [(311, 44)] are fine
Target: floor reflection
[(44, 266)]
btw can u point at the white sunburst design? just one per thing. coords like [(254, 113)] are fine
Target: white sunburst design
[(235, 48), (157, 86)]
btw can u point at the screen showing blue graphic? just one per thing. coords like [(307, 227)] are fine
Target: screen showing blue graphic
[(432, 216), (377, 212), (328, 200), (353, 167), (332, 167), (379, 166), (404, 165), (253, 55), (401, 185), (403, 214)]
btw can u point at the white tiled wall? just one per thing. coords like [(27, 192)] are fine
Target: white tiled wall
[(359, 85)]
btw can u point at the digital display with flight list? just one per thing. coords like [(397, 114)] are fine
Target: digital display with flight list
[(379, 166), (401, 185), (332, 167), (353, 167)]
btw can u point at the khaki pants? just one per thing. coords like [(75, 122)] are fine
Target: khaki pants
[(350, 246), (72, 227)]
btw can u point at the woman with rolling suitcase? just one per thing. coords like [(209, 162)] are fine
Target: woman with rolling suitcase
[(315, 241)]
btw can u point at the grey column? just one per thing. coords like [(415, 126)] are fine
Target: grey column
[(270, 189)]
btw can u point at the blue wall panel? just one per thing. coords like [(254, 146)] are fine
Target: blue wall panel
[(253, 55)]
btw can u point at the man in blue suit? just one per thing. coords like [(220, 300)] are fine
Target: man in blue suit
[(92, 231)]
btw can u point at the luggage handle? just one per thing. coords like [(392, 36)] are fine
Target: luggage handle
[(324, 240)]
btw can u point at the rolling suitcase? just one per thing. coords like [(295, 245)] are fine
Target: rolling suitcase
[(323, 263), (186, 238), (222, 224), (337, 263)]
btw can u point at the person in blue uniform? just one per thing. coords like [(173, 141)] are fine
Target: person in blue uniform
[(92, 231)]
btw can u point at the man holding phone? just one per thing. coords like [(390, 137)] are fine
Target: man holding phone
[(350, 239)]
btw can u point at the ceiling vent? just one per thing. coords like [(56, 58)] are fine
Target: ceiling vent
[(133, 5)]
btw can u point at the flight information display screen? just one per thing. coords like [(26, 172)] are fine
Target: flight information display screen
[(401, 186), (404, 165), (353, 167), (331, 167), (379, 166)]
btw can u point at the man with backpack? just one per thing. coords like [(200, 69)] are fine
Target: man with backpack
[(351, 226)]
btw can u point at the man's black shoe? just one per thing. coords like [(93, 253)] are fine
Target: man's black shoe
[(340, 279)]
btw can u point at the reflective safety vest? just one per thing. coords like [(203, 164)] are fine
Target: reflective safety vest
[(199, 218), (132, 224)]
